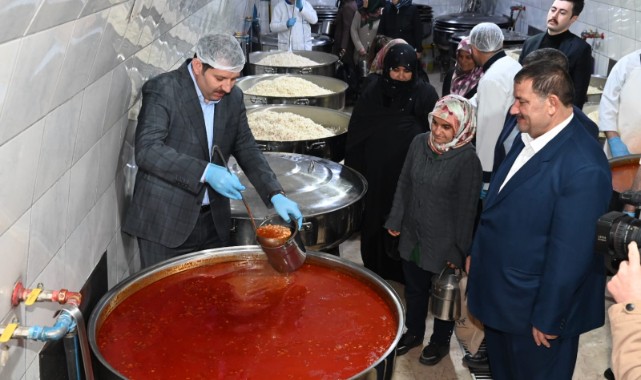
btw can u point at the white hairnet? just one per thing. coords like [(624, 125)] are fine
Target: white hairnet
[(487, 37), (221, 51)]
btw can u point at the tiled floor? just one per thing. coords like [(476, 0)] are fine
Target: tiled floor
[(594, 347)]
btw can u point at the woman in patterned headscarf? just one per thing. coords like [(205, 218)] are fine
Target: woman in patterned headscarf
[(465, 76), (433, 215), (392, 109)]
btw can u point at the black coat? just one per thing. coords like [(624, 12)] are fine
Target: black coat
[(404, 23), (579, 54), (378, 137)]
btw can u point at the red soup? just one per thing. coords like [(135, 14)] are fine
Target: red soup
[(242, 320)]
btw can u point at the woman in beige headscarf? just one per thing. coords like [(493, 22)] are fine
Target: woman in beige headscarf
[(433, 214)]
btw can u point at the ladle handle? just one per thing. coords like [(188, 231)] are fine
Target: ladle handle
[(222, 158)]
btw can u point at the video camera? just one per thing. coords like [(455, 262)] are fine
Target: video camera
[(615, 230)]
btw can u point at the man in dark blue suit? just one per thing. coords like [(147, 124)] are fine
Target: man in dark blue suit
[(535, 280), (509, 131)]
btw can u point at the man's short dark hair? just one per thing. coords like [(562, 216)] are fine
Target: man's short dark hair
[(577, 6), (550, 55), (548, 79)]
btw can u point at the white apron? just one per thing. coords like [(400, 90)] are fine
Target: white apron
[(629, 119)]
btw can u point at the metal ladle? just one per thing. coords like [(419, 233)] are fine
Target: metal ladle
[(265, 242)]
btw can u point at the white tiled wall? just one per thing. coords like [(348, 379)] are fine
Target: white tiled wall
[(70, 78)]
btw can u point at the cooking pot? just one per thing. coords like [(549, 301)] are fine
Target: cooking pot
[(332, 148), (256, 292), (320, 42), (446, 25), (326, 64), (623, 170), (328, 194), (335, 100), (426, 15), (326, 19)]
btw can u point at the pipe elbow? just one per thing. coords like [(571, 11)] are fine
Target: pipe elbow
[(64, 324)]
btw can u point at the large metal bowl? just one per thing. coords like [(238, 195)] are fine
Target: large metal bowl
[(320, 42), (332, 148), (326, 64), (142, 281), (329, 196), (335, 100)]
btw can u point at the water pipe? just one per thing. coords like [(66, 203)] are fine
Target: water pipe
[(69, 325), (38, 294)]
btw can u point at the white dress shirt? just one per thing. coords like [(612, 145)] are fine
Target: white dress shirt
[(533, 146)]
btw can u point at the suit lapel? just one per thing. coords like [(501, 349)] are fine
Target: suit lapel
[(536, 164), (502, 171), (192, 108)]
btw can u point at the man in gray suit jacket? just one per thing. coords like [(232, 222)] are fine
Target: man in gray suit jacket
[(181, 198)]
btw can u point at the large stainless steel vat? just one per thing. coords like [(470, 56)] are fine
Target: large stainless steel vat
[(320, 42), (381, 368), (326, 64), (334, 100), (329, 196), (332, 148)]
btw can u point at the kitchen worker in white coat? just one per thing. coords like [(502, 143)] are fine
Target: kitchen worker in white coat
[(619, 111), (291, 19), (494, 95)]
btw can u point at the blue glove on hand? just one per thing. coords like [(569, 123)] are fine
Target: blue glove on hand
[(286, 207), (299, 5), (223, 181), (291, 22), (617, 147)]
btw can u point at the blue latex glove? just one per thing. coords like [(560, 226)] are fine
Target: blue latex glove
[(223, 181), (299, 5), (291, 22), (617, 147), (286, 207)]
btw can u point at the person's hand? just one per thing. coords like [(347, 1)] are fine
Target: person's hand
[(468, 262), (617, 147), (625, 286), (299, 5), (541, 338), (362, 52), (393, 232), (291, 22), (286, 207), (223, 181)]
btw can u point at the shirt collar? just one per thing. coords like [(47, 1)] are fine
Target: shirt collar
[(500, 54), (198, 92), (536, 144)]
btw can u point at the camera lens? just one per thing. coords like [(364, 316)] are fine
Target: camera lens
[(625, 231)]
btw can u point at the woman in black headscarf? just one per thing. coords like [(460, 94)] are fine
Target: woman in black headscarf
[(392, 109)]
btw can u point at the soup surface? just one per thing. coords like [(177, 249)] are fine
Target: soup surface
[(243, 320)]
